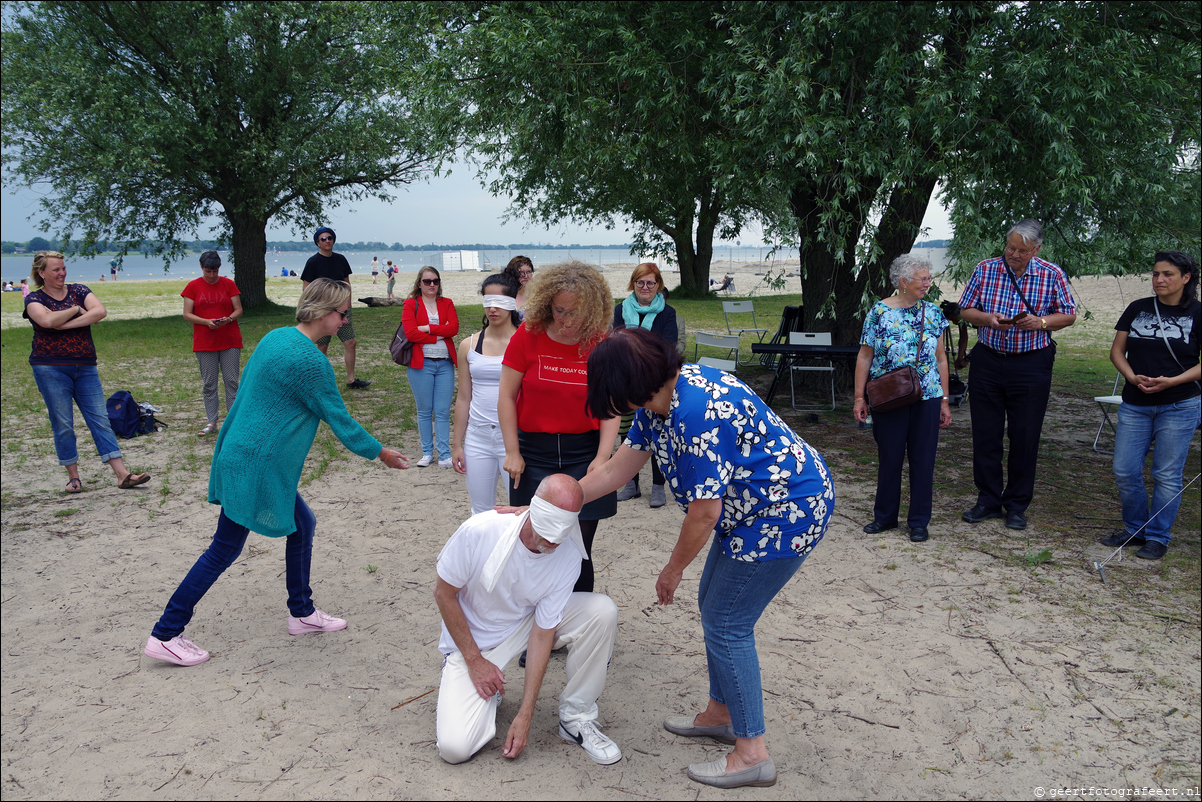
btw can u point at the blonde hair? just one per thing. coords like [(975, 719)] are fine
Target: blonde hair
[(593, 297), (642, 270), (320, 298), (417, 282), (39, 264)]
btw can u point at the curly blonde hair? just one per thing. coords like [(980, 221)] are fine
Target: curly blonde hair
[(593, 298), (39, 264)]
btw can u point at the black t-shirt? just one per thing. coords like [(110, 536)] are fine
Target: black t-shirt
[(1147, 353), (334, 267)]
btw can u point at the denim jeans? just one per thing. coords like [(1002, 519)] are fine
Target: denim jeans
[(62, 384), (227, 544), (732, 597), (1171, 426), (433, 386)]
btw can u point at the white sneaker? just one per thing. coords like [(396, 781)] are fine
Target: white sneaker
[(178, 650), (317, 622), (425, 461), (600, 748), (445, 463)]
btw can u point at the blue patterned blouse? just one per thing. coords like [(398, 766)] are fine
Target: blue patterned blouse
[(893, 336), (720, 441)]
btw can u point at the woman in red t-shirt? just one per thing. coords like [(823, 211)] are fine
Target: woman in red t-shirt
[(212, 306), (544, 384)]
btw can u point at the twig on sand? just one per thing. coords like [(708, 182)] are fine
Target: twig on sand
[(1007, 665), (414, 699), (173, 776)]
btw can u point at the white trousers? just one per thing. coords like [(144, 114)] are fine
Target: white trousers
[(484, 453), (466, 722)]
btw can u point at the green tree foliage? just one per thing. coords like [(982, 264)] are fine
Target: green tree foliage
[(146, 118), (594, 112), (1084, 115)]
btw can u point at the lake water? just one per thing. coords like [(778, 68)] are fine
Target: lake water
[(90, 269)]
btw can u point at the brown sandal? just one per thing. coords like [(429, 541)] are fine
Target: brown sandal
[(132, 480), (74, 486)]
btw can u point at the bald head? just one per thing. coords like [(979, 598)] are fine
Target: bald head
[(562, 491)]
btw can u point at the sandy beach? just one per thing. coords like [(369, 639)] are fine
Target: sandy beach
[(890, 670)]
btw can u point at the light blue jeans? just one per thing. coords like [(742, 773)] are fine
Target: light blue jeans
[(732, 597), (433, 387), (1171, 427), (62, 384)]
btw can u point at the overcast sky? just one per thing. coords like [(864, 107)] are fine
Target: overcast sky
[(447, 210)]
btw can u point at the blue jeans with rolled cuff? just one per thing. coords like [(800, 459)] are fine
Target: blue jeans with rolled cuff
[(59, 386), (732, 597), (227, 544), (433, 388), (1171, 428)]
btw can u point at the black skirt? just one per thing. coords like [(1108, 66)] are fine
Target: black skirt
[(546, 454)]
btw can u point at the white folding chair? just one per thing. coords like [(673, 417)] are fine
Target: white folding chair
[(741, 308), (728, 341), (810, 338), (1105, 402)]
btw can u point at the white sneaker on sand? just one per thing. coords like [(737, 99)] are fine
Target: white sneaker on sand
[(585, 733)]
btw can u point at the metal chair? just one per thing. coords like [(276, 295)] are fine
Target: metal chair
[(1104, 403), (741, 308), (810, 338), (728, 341)]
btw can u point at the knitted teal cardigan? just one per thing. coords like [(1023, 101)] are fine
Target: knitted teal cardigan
[(287, 388)]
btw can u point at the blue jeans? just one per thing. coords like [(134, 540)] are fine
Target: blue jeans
[(433, 387), (732, 597), (227, 544), (62, 384), (1171, 426)]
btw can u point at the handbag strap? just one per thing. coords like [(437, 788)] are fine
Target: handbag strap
[(1165, 337)]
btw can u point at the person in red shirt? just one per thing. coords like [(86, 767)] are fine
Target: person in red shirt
[(212, 306), (430, 321), (544, 385)]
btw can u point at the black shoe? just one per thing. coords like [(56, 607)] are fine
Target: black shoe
[(522, 659), (1016, 520), (981, 513), (358, 384), (919, 534), (878, 526), (1152, 550), (1123, 539)]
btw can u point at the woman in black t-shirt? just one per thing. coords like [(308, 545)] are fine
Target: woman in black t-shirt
[(1156, 350)]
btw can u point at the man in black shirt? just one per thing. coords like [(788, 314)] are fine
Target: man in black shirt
[(327, 264)]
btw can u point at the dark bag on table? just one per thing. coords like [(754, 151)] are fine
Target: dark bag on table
[(401, 347), (900, 387)]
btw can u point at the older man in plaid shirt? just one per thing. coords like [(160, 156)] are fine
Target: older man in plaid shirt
[(1016, 301)]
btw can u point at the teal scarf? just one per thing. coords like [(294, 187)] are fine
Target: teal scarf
[(631, 310)]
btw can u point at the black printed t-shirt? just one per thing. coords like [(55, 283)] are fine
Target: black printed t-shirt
[(1147, 353)]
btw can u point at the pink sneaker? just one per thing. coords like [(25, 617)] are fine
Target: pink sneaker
[(178, 650), (318, 622)]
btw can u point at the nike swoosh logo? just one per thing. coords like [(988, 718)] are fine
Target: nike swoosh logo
[(578, 738)]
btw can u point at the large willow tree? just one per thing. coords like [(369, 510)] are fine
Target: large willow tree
[(146, 118)]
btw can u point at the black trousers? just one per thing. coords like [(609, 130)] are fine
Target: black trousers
[(911, 431), (1008, 395)]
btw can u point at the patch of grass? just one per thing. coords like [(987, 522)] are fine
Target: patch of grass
[(66, 512)]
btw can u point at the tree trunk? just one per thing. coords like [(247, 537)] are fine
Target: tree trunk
[(249, 244)]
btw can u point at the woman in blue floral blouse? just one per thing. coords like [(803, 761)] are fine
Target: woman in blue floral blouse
[(740, 473), (905, 330)]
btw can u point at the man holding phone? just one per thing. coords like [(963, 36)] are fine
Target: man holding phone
[(1016, 301)]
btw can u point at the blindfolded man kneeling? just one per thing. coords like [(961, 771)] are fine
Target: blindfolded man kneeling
[(504, 585)]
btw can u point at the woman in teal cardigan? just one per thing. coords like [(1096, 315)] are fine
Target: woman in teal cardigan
[(288, 387)]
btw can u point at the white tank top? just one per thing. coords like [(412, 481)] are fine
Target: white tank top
[(486, 386)]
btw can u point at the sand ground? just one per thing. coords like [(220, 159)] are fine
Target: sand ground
[(890, 670)]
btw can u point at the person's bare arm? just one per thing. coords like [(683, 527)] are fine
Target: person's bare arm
[(463, 403), (538, 653), (507, 415), (623, 466), (486, 677), (863, 366), (699, 523)]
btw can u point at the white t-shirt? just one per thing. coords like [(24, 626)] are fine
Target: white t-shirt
[(435, 350), (529, 582)]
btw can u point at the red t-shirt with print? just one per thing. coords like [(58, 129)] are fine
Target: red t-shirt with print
[(212, 301), (554, 384)]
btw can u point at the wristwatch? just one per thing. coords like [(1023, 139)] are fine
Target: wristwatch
[(1044, 322)]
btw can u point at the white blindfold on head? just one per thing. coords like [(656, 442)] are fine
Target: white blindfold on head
[(551, 523), (501, 302)]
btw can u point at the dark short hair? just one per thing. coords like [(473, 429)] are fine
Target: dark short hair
[(209, 260), (1188, 267), (950, 309), (626, 369), (509, 286)]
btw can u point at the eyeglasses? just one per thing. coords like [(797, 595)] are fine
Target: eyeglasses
[(568, 313), (1021, 253), (431, 282), (646, 285), (325, 239), (345, 314)]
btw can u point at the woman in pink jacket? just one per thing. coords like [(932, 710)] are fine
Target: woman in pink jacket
[(430, 321)]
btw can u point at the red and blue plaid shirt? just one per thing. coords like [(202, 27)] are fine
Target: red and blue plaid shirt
[(990, 290)]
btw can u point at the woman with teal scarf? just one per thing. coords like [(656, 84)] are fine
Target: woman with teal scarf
[(646, 307)]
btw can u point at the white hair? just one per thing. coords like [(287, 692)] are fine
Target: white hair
[(905, 266)]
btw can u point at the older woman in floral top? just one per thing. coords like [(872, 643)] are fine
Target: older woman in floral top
[(740, 473)]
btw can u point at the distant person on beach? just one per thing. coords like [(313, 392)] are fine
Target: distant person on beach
[(390, 273), (212, 304), (504, 585), (334, 266), (288, 389), (64, 366), (113, 267), (1156, 349), (375, 269), (521, 270), (1016, 301), (24, 288), (283, 272)]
